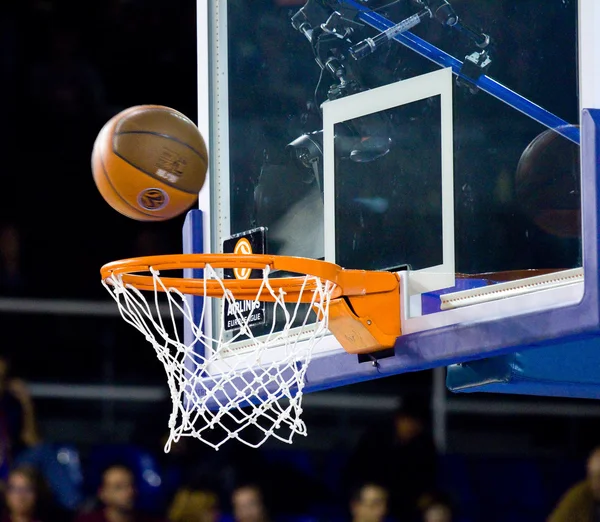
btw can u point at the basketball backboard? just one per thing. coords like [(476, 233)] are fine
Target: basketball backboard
[(439, 141)]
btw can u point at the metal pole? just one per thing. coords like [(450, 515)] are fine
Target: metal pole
[(439, 410)]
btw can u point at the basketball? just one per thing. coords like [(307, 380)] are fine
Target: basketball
[(547, 184), (149, 162)]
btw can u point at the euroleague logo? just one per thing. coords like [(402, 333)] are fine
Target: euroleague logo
[(243, 246), (153, 199)]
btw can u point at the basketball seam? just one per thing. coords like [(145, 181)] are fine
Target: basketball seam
[(119, 195), (166, 136)]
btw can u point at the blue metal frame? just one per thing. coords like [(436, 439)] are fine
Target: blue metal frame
[(564, 369), (485, 83), (193, 243)]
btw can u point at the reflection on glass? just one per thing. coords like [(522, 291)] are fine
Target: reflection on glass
[(516, 182)]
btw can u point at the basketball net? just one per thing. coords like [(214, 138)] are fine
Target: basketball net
[(220, 391)]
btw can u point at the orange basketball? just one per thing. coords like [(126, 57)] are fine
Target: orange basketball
[(149, 162)]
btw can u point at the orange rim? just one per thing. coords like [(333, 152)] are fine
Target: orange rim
[(366, 320), (131, 271), (348, 282)]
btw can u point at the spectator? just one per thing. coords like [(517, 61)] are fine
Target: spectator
[(436, 508), (408, 463), (194, 505), (249, 504), (21, 443), (18, 427), (369, 503), (62, 480), (437, 513), (27, 499), (117, 495), (581, 503)]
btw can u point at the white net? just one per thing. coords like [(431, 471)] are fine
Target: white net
[(230, 385)]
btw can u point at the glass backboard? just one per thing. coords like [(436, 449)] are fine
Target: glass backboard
[(437, 139)]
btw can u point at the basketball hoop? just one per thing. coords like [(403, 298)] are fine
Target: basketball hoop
[(221, 392)]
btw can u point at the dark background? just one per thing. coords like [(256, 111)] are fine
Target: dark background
[(66, 68)]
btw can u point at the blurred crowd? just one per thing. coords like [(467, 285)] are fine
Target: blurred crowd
[(392, 475), (401, 487)]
